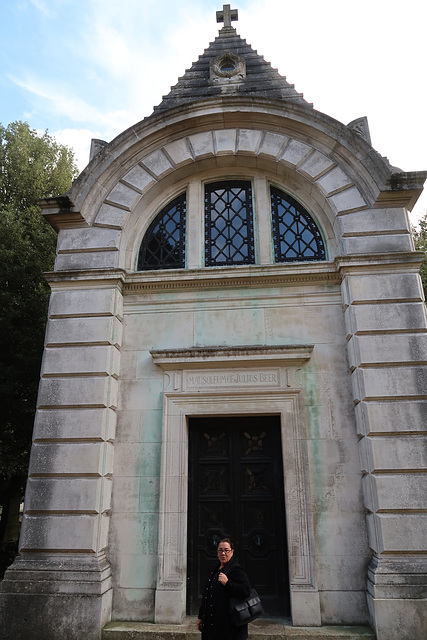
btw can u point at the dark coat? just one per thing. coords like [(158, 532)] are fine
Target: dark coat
[(214, 610)]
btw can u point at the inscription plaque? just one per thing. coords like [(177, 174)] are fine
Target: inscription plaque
[(238, 379)]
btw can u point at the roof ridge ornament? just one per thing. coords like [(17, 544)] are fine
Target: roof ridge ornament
[(361, 127), (226, 16)]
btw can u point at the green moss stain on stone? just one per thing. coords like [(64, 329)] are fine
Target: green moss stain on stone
[(314, 430)]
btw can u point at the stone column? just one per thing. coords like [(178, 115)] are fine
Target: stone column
[(60, 585), (387, 346)]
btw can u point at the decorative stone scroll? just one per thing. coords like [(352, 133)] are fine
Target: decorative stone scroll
[(225, 381)]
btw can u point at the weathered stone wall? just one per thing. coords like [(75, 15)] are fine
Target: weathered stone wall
[(353, 407), (298, 313)]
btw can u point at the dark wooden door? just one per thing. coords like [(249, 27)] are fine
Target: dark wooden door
[(236, 490)]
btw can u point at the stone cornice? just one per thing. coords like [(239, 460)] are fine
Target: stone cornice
[(188, 279), (380, 262), (59, 212), (101, 278), (238, 356), (253, 276), (403, 190), (257, 276)]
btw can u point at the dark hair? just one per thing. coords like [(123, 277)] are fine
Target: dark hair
[(226, 540)]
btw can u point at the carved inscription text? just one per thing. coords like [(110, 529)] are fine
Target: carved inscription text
[(219, 379)]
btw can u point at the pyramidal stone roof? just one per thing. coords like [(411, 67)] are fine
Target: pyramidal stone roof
[(230, 67)]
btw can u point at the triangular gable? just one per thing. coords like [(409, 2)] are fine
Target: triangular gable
[(259, 79)]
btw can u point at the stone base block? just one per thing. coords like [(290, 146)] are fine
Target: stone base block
[(55, 599), (397, 596), (169, 606), (305, 606), (344, 607), (399, 619)]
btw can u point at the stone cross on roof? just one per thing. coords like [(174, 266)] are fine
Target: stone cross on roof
[(226, 16)]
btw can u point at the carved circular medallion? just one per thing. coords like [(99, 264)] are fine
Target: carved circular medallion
[(228, 65)]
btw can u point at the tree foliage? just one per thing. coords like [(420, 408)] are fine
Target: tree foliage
[(420, 241), (32, 166)]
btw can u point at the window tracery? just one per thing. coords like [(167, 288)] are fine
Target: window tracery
[(229, 232), (163, 246), (229, 237), (296, 236)]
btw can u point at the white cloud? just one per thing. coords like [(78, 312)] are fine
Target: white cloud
[(79, 140), (110, 50), (348, 62), (59, 101)]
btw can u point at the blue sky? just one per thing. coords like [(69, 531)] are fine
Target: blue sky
[(91, 68)]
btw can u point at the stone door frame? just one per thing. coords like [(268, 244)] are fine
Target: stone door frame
[(235, 381)]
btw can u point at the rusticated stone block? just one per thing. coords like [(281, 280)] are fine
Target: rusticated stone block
[(398, 453), (386, 317), (374, 221), (397, 532), (388, 349), (383, 287), (94, 360), (87, 260), (79, 423), (71, 458), (390, 382), (85, 302), (377, 244), (78, 392), (104, 330), (89, 495), (88, 239), (391, 417), (400, 492)]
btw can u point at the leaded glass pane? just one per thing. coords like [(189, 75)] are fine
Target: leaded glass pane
[(296, 236), (163, 246), (229, 234)]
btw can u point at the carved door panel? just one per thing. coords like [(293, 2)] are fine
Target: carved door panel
[(236, 490)]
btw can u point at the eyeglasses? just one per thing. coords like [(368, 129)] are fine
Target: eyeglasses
[(227, 551)]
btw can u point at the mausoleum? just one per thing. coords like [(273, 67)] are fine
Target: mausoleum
[(236, 345)]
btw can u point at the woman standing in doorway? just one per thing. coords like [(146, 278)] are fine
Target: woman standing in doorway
[(227, 580)]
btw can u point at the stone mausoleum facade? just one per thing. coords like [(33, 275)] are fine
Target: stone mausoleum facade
[(236, 344)]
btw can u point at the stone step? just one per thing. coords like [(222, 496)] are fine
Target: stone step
[(259, 630)]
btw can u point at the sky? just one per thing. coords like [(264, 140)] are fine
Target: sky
[(85, 69)]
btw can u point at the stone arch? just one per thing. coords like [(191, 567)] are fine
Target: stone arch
[(171, 186), (320, 182), (324, 165), (333, 180)]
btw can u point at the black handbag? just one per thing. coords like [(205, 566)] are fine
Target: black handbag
[(244, 610)]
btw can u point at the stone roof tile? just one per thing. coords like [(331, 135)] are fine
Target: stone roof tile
[(260, 80)]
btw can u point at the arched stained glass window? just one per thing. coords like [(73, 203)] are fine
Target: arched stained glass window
[(229, 231), (296, 236), (163, 246)]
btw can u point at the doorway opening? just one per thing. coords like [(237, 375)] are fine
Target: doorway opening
[(236, 490)]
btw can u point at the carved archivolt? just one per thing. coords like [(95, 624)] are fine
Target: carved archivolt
[(333, 183)]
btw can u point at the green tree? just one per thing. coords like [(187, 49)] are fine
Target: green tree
[(420, 241), (32, 166)]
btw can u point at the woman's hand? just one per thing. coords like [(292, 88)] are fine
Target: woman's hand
[(223, 578), (199, 624)]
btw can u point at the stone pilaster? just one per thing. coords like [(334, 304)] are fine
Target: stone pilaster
[(60, 585), (387, 347)]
